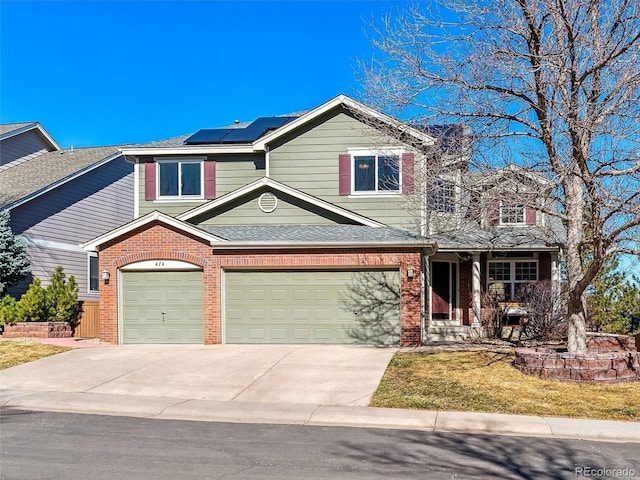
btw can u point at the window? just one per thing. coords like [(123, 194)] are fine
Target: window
[(512, 214), (180, 178), (376, 173), (442, 197), (94, 275), (506, 277)]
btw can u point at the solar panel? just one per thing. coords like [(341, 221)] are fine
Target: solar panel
[(248, 134), (208, 135)]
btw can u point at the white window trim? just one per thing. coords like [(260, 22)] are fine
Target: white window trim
[(89, 257), (512, 273), (179, 161), (454, 196), (361, 152), (514, 224)]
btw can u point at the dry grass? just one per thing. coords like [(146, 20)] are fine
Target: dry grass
[(16, 352), (485, 381)]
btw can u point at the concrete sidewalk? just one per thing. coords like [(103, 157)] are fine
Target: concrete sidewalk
[(321, 415), (294, 384)]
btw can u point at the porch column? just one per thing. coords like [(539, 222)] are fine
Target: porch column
[(555, 281), (555, 271), (475, 289)]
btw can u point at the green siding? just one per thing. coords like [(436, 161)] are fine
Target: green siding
[(289, 211), (231, 173), (145, 295), (311, 307), (309, 162)]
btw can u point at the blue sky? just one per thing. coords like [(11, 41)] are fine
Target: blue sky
[(103, 73)]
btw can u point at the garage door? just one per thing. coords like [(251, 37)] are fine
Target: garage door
[(312, 307), (162, 307)]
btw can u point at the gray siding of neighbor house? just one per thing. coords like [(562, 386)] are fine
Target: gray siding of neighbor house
[(247, 212), (57, 222), (231, 173), (22, 147), (308, 161)]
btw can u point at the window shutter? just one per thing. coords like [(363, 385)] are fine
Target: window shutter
[(210, 179), (530, 216), (344, 174), (494, 212), (150, 181), (408, 172)]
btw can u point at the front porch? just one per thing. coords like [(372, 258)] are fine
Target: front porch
[(458, 281)]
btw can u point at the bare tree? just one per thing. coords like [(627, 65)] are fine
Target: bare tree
[(549, 85)]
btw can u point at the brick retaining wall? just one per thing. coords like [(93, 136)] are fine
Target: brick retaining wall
[(37, 330), (611, 359)]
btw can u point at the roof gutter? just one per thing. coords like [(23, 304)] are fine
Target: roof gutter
[(189, 150), (524, 248)]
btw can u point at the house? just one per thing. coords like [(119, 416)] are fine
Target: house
[(294, 229), (59, 199)]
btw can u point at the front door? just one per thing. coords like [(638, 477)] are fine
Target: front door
[(444, 280)]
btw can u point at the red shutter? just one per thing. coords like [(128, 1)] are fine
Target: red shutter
[(210, 179), (494, 212), (531, 216), (408, 173), (344, 174), (150, 181)]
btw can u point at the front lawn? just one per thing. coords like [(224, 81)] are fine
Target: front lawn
[(485, 381), (15, 352)]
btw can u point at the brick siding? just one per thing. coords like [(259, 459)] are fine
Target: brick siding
[(158, 241)]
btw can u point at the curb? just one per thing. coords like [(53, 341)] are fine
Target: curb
[(319, 415)]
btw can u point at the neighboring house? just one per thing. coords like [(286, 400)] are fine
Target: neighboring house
[(295, 229), (60, 198)]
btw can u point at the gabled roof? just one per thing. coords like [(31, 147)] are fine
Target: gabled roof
[(511, 172), (40, 174), (278, 187), (8, 130), (248, 144), (351, 104), (155, 216)]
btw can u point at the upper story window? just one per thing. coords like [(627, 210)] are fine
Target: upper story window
[(512, 214), (180, 178), (386, 171), (376, 172), (442, 197)]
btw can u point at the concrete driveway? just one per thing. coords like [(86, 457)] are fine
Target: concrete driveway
[(285, 374)]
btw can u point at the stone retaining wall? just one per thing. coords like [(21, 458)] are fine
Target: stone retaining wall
[(610, 359), (37, 330), (610, 343)]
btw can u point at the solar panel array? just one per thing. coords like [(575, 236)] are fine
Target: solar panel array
[(248, 134)]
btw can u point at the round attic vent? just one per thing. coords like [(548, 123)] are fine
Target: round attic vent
[(268, 202)]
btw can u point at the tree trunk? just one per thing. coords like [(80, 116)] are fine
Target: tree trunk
[(577, 333)]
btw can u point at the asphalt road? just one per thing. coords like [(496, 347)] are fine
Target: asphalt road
[(41, 445)]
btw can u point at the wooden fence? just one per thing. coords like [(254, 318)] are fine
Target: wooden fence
[(89, 324)]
